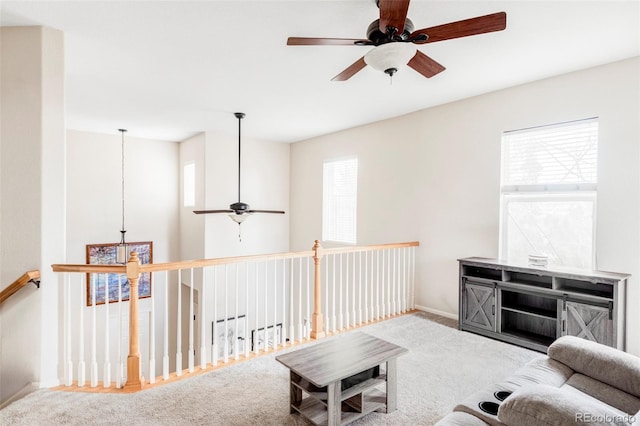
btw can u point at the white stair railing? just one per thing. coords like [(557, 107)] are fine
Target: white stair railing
[(206, 313)]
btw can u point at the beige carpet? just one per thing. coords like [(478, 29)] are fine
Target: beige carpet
[(442, 367)]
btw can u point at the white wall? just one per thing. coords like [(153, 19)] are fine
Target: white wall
[(265, 186), (434, 176), (94, 209), (32, 202)]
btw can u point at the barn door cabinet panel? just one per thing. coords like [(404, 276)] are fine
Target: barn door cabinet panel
[(532, 306)]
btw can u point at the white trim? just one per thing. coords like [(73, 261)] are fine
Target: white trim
[(29, 388), (437, 312)]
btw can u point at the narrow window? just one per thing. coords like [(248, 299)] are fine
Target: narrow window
[(339, 200), (548, 193), (189, 184)]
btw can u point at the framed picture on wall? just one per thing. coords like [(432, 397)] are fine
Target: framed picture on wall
[(229, 332), (260, 338), (105, 254)]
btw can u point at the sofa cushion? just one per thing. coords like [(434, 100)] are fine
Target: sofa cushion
[(608, 365), (539, 370), (543, 405), (605, 393)]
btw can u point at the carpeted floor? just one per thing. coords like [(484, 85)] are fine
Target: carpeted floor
[(443, 366)]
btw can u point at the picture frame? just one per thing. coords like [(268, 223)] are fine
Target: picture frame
[(105, 254), (226, 328), (258, 336)]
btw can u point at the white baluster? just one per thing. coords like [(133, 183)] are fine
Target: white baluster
[(354, 318), (340, 310), (165, 357), (292, 335), (334, 319), (120, 368), (203, 328), (404, 279), (68, 377), (152, 337), (413, 277), (236, 316), (106, 370), (366, 286), (382, 287), (191, 360), (266, 314), (216, 343), (395, 282), (94, 362), (81, 363), (247, 347), (256, 346), (347, 315), (360, 320), (275, 303), (307, 334), (225, 353), (325, 279), (300, 329), (378, 285), (283, 336), (179, 327)]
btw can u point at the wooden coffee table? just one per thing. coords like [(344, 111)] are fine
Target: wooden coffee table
[(337, 381)]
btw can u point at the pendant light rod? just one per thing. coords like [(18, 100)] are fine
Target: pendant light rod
[(239, 116), (122, 131)]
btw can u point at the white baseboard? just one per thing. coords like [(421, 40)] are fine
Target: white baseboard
[(437, 312), (20, 394)]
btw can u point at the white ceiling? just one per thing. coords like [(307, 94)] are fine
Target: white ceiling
[(169, 69)]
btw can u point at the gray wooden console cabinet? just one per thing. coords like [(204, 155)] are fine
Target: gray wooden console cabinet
[(532, 306)]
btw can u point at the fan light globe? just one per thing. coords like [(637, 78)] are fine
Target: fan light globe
[(390, 56), (239, 218)]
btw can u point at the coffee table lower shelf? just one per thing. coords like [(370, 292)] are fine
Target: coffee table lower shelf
[(315, 410)]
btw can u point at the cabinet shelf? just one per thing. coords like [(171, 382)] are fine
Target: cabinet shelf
[(316, 411), (528, 310)]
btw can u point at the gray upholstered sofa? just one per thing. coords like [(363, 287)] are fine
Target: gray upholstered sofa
[(578, 382)]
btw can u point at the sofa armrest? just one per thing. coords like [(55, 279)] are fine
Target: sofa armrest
[(603, 363), (542, 405)]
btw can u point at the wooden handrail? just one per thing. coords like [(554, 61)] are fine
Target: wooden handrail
[(26, 278), (349, 249)]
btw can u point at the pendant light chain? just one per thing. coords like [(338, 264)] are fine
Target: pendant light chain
[(122, 251), (122, 165)]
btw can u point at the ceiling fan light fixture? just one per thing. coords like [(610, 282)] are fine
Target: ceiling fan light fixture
[(390, 57), (239, 218)]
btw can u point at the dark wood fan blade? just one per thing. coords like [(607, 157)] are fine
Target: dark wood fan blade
[(464, 28), (393, 13), (266, 211), (311, 41), (425, 65), (212, 211), (351, 70)]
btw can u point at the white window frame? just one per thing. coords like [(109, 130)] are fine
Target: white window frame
[(546, 192), (329, 234)]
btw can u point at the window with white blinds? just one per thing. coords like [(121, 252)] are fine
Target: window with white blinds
[(339, 200), (548, 193)]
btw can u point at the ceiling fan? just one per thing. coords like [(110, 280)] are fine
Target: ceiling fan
[(239, 211), (393, 38)]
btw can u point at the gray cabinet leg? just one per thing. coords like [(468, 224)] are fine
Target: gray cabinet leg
[(392, 385), (334, 406), (295, 395)]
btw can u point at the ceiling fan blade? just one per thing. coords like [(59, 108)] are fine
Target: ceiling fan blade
[(212, 211), (312, 41), (393, 13), (464, 28), (425, 65), (351, 70), (266, 211)]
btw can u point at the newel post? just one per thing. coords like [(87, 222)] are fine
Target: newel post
[(134, 375), (317, 322)]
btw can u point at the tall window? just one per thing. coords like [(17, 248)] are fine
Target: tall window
[(548, 193), (339, 200), (189, 184)]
